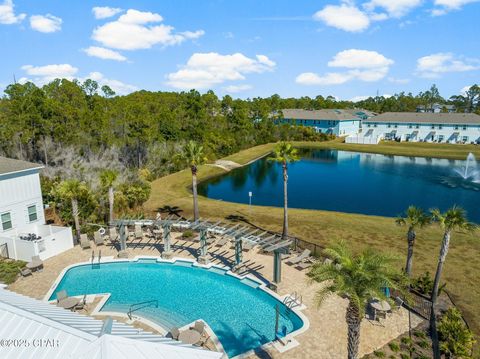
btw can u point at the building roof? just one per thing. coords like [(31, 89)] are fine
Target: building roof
[(27, 318), (429, 118), (110, 346), (436, 105), (337, 115), (9, 165)]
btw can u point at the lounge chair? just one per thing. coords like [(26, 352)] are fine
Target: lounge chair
[(327, 261), (138, 232), (61, 295), (84, 241), (112, 233), (302, 256), (304, 265), (174, 333), (398, 303), (25, 272), (247, 246), (81, 305), (199, 326), (98, 239)]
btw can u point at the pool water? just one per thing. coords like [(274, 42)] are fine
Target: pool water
[(241, 315), (353, 182)]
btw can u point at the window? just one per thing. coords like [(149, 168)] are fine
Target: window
[(395, 125), (6, 221), (433, 127), (456, 127), (464, 128), (368, 125), (32, 213), (417, 126), (41, 246), (410, 126), (439, 127), (374, 125), (389, 125)]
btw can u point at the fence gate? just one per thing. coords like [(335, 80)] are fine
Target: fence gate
[(4, 250)]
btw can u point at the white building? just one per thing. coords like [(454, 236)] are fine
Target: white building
[(23, 232), (420, 127), (34, 329)]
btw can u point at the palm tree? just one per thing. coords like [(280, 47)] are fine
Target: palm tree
[(284, 153), (192, 155), (70, 190), (359, 278), (453, 219), (414, 218), (107, 179)]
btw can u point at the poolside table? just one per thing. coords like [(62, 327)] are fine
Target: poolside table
[(189, 336), (68, 303), (34, 265), (381, 306)]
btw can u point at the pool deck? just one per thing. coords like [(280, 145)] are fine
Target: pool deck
[(327, 335)]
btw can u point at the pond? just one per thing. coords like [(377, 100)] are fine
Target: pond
[(353, 182)]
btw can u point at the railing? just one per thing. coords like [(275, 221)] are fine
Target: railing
[(417, 303), (141, 305), (293, 300), (4, 251)]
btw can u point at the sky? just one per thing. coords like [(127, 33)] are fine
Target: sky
[(245, 48)]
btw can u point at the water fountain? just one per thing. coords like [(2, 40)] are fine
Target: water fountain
[(467, 176), (469, 171)]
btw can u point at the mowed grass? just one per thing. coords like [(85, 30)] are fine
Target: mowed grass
[(461, 271)]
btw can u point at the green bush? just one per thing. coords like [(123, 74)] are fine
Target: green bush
[(406, 341), (456, 340), (379, 354), (424, 284), (9, 270), (188, 234), (420, 334), (404, 356), (424, 344), (421, 356), (394, 347)]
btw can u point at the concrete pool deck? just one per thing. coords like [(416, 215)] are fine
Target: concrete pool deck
[(326, 337)]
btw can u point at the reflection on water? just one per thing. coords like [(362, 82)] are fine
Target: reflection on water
[(355, 182)]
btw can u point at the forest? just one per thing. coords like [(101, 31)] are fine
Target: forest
[(79, 130)]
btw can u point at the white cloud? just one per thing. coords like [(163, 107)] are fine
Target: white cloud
[(45, 23), (104, 53), (103, 12), (344, 17), (140, 30), (362, 65), (237, 88), (432, 66), (204, 70), (42, 75), (464, 90), (7, 13), (445, 6), (394, 8)]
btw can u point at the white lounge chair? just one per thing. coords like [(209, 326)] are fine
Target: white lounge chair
[(301, 257), (221, 242), (97, 237), (138, 232), (112, 233), (84, 241)]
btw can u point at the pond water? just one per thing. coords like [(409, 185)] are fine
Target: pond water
[(354, 182)]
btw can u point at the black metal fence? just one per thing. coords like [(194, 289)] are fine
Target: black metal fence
[(4, 250)]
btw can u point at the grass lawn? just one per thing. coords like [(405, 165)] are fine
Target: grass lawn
[(461, 271), (9, 270)]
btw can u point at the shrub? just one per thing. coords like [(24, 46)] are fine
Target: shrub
[(379, 354), (187, 234), (424, 344), (421, 356), (424, 284), (406, 341), (9, 270), (456, 340), (420, 334), (404, 356), (394, 347)]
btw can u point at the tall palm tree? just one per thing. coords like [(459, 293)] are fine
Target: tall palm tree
[(359, 278), (192, 155), (414, 218), (107, 180), (70, 190), (284, 153), (453, 219)]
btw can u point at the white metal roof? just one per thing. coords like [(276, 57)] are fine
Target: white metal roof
[(110, 346), (25, 318)]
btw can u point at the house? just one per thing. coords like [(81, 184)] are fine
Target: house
[(334, 122), (423, 127), (36, 329), (437, 108), (23, 232)]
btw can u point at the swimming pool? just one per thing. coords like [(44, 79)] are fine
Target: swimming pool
[(241, 314)]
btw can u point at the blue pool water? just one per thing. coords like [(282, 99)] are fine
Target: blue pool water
[(354, 182), (240, 314)]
